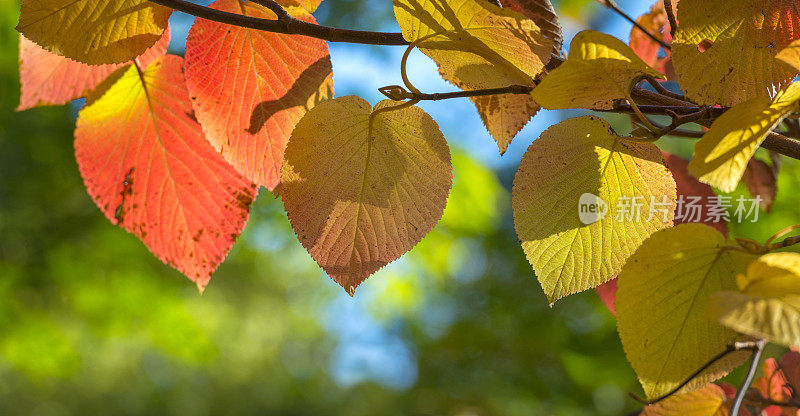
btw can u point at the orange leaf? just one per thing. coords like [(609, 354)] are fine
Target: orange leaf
[(656, 22), (146, 164), (250, 88), (50, 79)]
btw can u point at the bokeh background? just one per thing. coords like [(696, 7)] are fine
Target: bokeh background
[(91, 323)]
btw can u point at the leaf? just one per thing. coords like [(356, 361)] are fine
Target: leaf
[(307, 5), (146, 165), (600, 71), (94, 31), (50, 79), (739, 40), (661, 307), (777, 320), (769, 303), (576, 164), (761, 180), (708, 401), (480, 46), (773, 384), (250, 88), (543, 14), (358, 198), (790, 56), (691, 193), (653, 54), (720, 157)]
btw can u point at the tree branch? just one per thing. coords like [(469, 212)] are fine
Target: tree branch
[(291, 27)]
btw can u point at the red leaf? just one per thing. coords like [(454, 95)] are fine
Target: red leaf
[(687, 186), (657, 23), (772, 384), (761, 180), (146, 164), (50, 79), (250, 88), (790, 363)]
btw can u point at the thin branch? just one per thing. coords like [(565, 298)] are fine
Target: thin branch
[(611, 4), (673, 22), (292, 27), (661, 90), (751, 373), (731, 348)]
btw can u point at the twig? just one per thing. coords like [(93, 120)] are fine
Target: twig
[(751, 373), (293, 27), (611, 4), (737, 346), (661, 90), (673, 22)]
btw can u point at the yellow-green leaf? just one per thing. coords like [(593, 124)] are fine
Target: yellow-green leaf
[(774, 319), (359, 200), (708, 401), (772, 275), (94, 31), (790, 55), (576, 164), (600, 70), (661, 307), (769, 305), (724, 50), (479, 45), (721, 156)]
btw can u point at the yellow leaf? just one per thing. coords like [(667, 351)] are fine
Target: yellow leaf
[(574, 165), (307, 5), (769, 305), (478, 45), (790, 55), (724, 50), (721, 156), (708, 401), (356, 200), (772, 275), (661, 307), (774, 319), (600, 70), (94, 31)]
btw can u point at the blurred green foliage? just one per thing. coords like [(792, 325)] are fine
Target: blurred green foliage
[(91, 323)]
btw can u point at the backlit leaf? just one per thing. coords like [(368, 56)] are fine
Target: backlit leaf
[(574, 165), (146, 164), (479, 45), (661, 307), (543, 14), (724, 50), (94, 31), (721, 156), (356, 200), (50, 79), (249, 88), (708, 401), (600, 70), (769, 303), (653, 54), (307, 5), (790, 56), (761, 180), (694, 205)]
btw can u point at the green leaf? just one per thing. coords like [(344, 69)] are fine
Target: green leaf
[(578, 161), (661, 307)]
